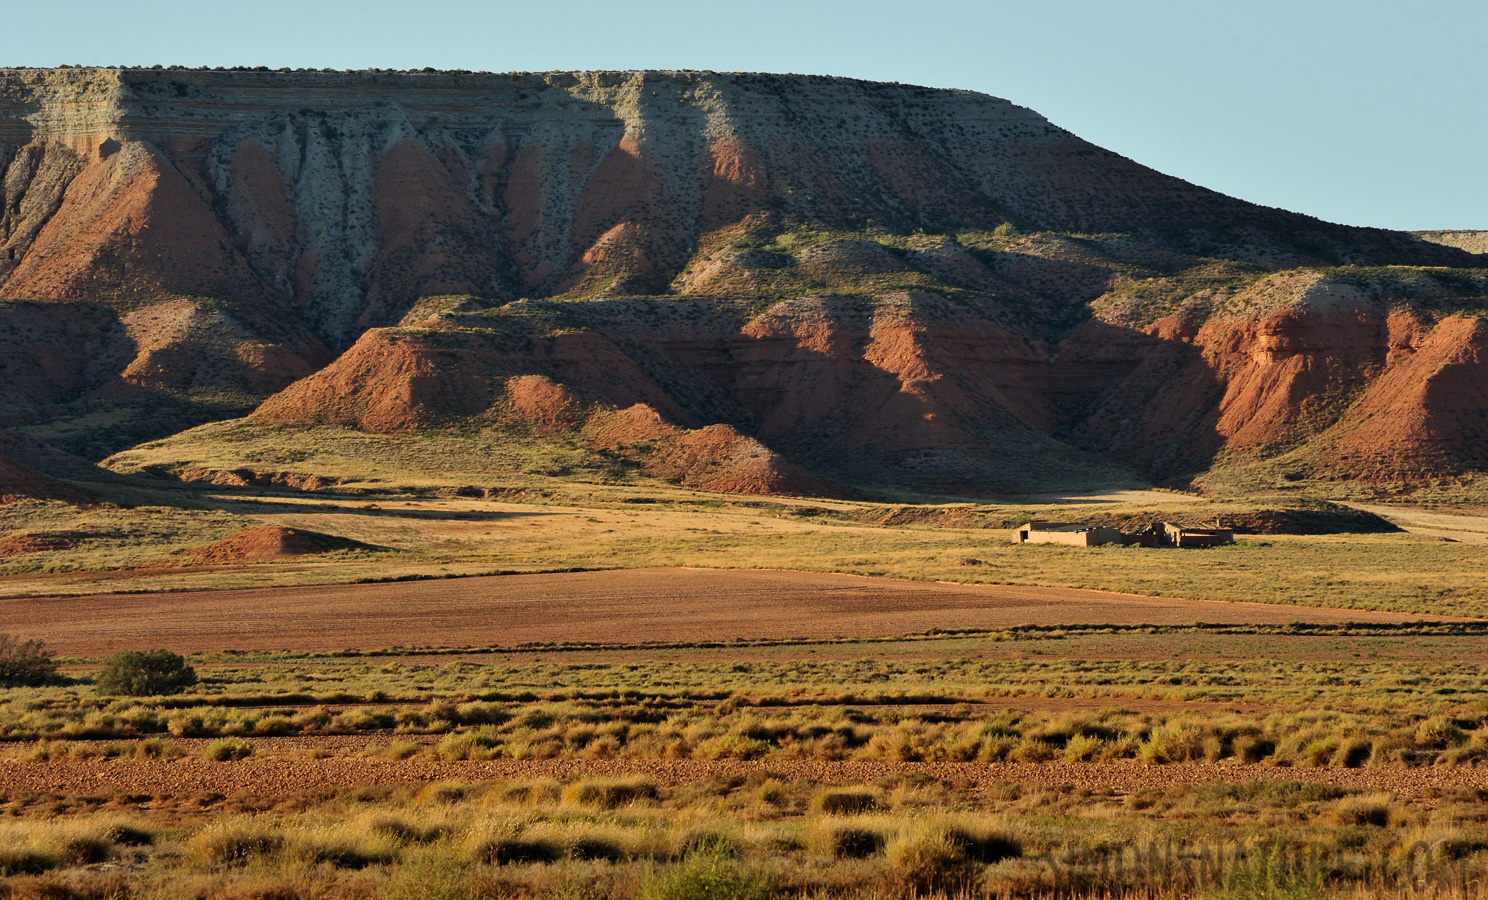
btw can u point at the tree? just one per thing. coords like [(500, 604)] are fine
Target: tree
[(25, 662), (145, 673)]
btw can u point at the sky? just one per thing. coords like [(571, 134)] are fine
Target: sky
[(1361, 112)]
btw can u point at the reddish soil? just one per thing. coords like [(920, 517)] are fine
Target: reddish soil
[(270, 776), (30, 543), (1425, 413), (20, 482), (626, 606), (266, 542)]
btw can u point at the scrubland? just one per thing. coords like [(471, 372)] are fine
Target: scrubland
[(1164, 762), (1085, 760)]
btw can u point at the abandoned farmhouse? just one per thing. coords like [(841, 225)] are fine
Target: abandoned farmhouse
[(1083, 535)]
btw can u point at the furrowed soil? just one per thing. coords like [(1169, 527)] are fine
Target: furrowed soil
[(631, 606), (288, 776)]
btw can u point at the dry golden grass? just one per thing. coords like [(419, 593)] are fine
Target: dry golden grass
[(600, 528), (695, 841)]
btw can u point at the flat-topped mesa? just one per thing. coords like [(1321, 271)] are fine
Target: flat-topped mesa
[(347, 196), (172, 106), (851, 301)]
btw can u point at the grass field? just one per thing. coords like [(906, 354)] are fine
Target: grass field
[(1236, 761), (556, 526), (710, 705)]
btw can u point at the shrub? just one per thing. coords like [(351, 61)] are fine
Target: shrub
[(436, 874), (1083, 748), (1353, 752), (25, 662), (704, 876), (443, 792), (1035, 750), (512, 849), (837, 840), (844, 802), (25, 861), (228, 750), (1439, 732), (402, 831), (1252, 748), (145, 673), (929, 857), (479, 744), (607, 793), (340, 853), (1371, 809), (770, 791), (83, 848), (157, 748), (598, 844), (1172, 743), (234, 843)]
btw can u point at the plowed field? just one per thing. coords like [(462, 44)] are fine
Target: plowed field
[(283, 776), (623, 606)]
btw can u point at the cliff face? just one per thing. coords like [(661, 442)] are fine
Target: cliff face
[(810, 263)]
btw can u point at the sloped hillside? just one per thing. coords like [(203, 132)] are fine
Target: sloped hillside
[(749, 283)]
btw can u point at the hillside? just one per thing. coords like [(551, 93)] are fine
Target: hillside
[(735, 282)]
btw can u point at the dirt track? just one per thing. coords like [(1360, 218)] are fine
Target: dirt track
[(625, 606), (274, 777)]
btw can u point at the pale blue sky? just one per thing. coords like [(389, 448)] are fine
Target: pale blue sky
[(1363, 112)]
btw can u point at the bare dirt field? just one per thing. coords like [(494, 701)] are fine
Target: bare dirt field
[(287, 776), (630, 606)]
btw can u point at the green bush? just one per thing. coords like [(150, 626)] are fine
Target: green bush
[(228, 750), (25, 662), (145, 673), (705, 875)]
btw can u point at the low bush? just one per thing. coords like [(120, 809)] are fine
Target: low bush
[(929, 857), (1172, 743), (838, 840), (25, 662), (514, 848), (1370, 809), (1439, 732), (85, 848), (145, 673), (477, 745), (338, 851), (403, 831), (844, 802), (607, 845), (228, 750), (158, 748), (705, 876), (609, 793), (1252, 748), (442, 792), (23, 860), (985, 844), (234, 843)]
